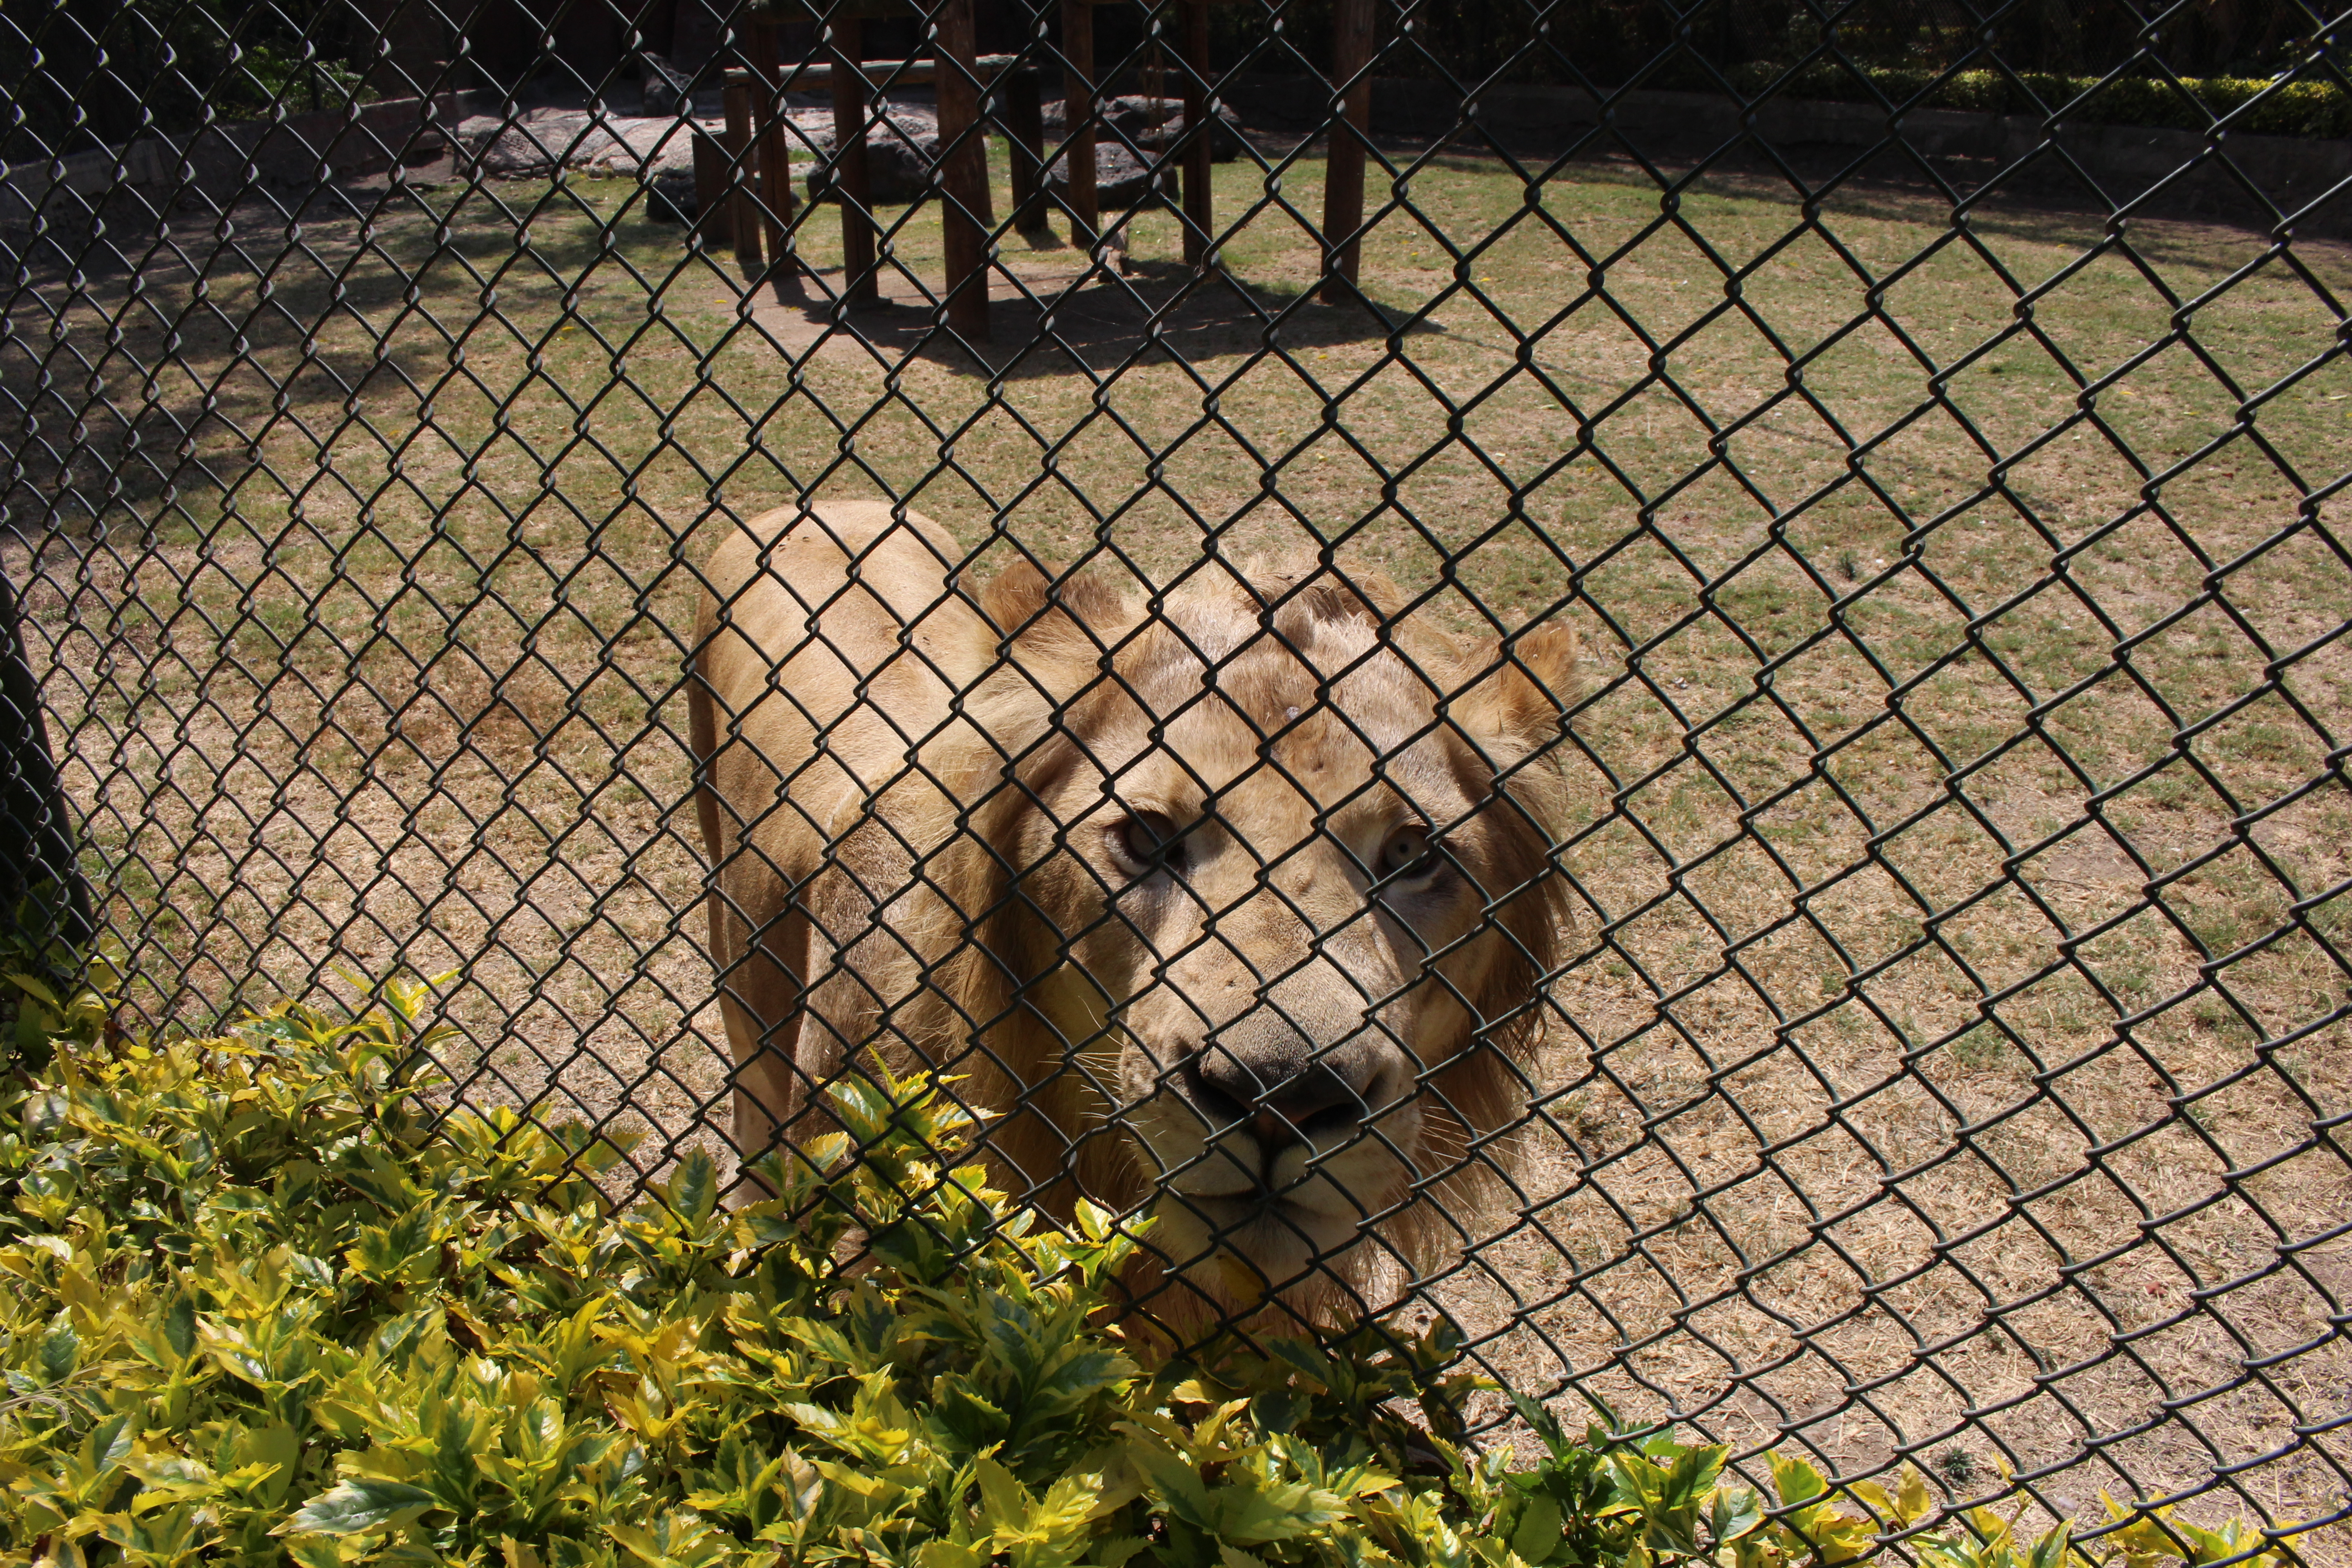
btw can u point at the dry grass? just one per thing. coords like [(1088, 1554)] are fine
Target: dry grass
[(1936, 725)]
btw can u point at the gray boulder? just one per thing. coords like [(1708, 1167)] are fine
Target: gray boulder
[(669, 196), (1154, 124), (902, 149), (1121, 179), (541, 141), (664, 87)]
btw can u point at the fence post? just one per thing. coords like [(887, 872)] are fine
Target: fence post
[(1077, 122), (1343, 168), (741, 210), (37, 836), (1024, 128), (853, 181), (963, 184), (1200, 130), (775, 158), (712, 220)]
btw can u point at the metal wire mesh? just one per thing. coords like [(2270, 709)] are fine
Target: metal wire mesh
[(1888, 998)]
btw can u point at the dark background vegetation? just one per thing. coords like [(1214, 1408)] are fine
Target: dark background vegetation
[(92, 72), (1608, 42)]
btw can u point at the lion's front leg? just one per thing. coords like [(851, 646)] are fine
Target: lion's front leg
[(761, 939)]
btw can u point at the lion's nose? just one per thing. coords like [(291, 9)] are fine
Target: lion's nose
[(1283, 1102)]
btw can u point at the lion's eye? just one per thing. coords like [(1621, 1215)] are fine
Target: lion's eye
[(1145, 843), (1407, 857)]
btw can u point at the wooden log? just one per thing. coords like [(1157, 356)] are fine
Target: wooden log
[(1077, 119), (742, 211), (1200, 146), (711, 200), (1024, 131), (965, 218), (815, 74), (773, 151), (1343, 169), (853, 182)]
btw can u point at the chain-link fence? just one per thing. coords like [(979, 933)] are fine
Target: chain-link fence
[(1088, 515)]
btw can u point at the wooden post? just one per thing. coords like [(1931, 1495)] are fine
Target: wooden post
[(1077, 117), (853, 182), (711, 203), (1343, 169), (1025, 129), (742, 212), (965, 217), (1200, 148), (775, 159)]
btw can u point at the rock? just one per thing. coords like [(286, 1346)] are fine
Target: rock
[(1121, 179), (669, 196), (902, 149), (491, 146), (664, 87), (1152, 123), (1225, 139), (539, 143)]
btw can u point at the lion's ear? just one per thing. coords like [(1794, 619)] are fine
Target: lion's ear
[(1328, 594), (1520, 688), (1028, 600), (1052, 624)]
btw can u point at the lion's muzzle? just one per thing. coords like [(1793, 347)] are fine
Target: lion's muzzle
[(1282, 1091)]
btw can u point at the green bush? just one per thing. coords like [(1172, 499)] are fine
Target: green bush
[(2293, 108), (49, 990), (262, 1306)]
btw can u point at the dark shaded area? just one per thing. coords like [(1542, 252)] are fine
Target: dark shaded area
[(89, 73), (90, 453), (43, 900), (1163, 308), (1813, 149), (1652, 44)]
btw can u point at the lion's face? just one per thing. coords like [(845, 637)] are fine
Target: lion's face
[(1284, 916)]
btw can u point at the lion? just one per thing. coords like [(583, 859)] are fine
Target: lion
[(1233, 906)]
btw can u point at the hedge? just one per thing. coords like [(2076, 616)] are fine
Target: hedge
[(263, 1308), (2316, 108)]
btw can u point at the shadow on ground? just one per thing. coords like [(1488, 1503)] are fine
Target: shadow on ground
[(1056, 320)]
